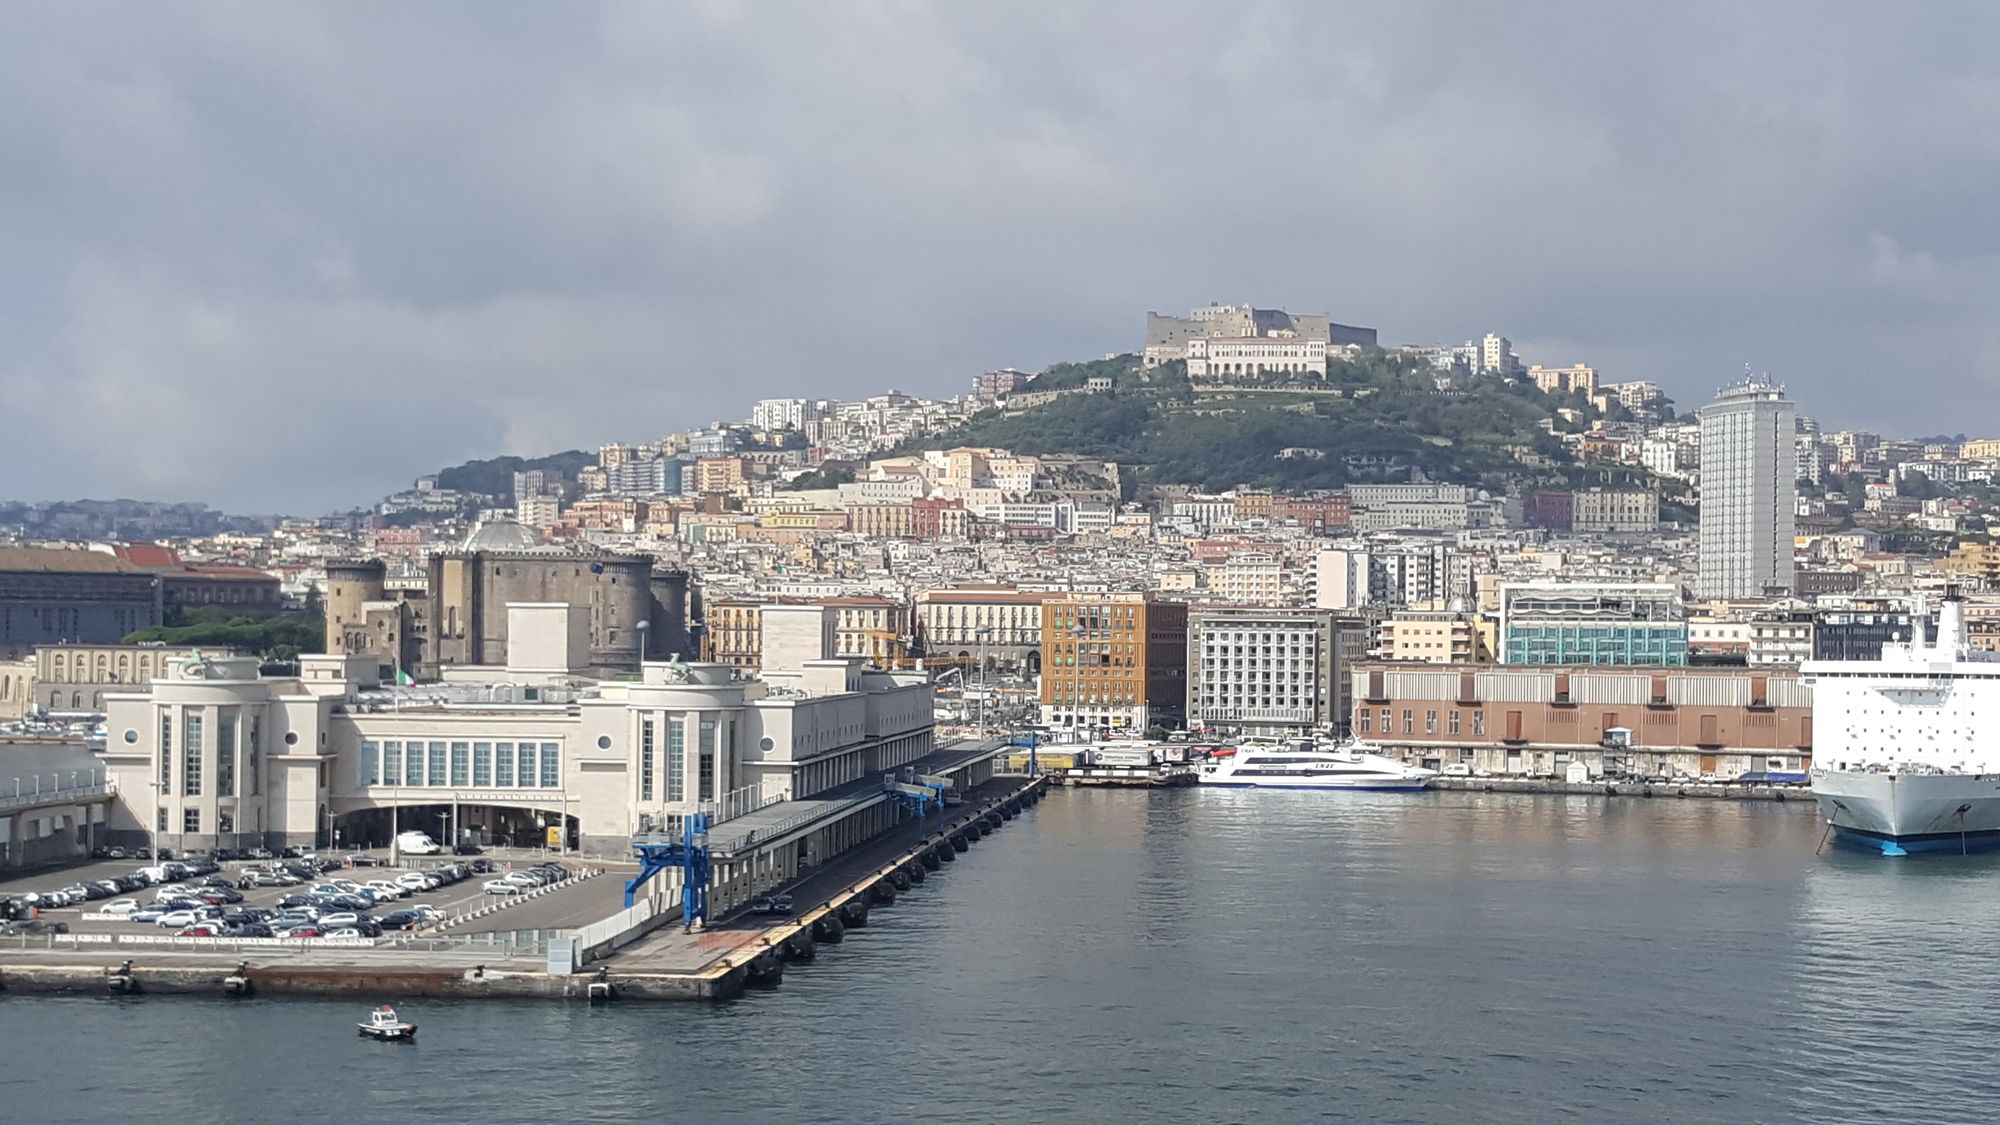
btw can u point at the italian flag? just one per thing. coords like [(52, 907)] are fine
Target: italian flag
[(403, 678)]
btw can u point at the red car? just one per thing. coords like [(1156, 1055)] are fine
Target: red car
[(300, 931), (202, 929)]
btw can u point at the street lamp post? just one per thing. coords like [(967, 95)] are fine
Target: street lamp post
[(645, 628), (981, 633)]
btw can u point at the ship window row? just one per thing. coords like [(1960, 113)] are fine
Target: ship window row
[(1313, 771)]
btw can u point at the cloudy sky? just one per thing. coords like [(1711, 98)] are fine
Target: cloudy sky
[(288, 256)]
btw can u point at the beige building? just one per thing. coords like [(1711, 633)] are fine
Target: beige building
[(1563, 380), (1984, 449), (1251, 579), (874, 630), (1002, 624), (1615, 510), (17, 687), (1433, 637), (887, 521), (76, 677)]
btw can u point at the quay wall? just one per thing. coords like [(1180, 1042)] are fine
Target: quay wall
[(1603, 788)]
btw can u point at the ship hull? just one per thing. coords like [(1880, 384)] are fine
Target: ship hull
[(1896, 814)]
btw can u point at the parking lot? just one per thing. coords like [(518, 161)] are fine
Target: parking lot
[(549, 910)]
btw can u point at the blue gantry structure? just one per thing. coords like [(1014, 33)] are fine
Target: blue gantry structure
[(660, 851)]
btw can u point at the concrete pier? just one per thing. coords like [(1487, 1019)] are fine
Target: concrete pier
[(720, 962)]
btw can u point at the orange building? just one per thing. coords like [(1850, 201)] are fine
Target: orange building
[(1114, 661)]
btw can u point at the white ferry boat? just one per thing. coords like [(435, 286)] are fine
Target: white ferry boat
[(1302, 763), (1905, 754)]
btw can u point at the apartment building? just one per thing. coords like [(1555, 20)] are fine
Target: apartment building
[(1270, 672), (1432, 636), (1001, 623), (1114, 661)]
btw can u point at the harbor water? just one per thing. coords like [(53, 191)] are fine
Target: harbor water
[(1191, 955)]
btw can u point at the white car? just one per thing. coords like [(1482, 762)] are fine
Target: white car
[(335, 921), (385, 887), (526, 880), (503, 887), (344, 931), (429, 914), (416, 882), (180, 919), (119, 906)]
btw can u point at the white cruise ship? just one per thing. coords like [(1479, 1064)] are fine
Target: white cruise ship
[(1303, 764), (1906, 749)]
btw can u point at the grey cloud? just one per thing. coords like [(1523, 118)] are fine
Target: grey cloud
[(288, 256)]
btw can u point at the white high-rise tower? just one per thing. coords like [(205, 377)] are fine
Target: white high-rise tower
[(1749, 485)]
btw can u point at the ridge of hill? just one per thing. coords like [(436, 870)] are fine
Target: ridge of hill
[(1376, 416)]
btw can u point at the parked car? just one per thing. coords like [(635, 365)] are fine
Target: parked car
[(278, 879), (202, 929), (388, 888), (400, 920), (481, 866), (219, 896), (120, 906), (178, 919), (503, 887), (362, 859), (308, 930), (251, 929), (342, 918), (418, 882), (468, 849)]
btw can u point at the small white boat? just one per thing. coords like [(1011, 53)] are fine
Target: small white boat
[(383, 1024), (1304, 764)]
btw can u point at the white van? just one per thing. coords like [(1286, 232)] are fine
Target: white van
[(417, 843)]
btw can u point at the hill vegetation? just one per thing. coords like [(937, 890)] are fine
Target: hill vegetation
[(1375, 417), (495, 476)]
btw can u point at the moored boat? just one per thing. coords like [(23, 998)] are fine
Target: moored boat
[(1905, 759), (1302, 763)]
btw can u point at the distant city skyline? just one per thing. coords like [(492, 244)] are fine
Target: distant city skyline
[(289, 261)]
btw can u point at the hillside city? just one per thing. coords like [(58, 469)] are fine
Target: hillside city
[(1254, 522)]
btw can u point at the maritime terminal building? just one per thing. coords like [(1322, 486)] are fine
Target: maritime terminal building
[(788, 764), (1530, 719)]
